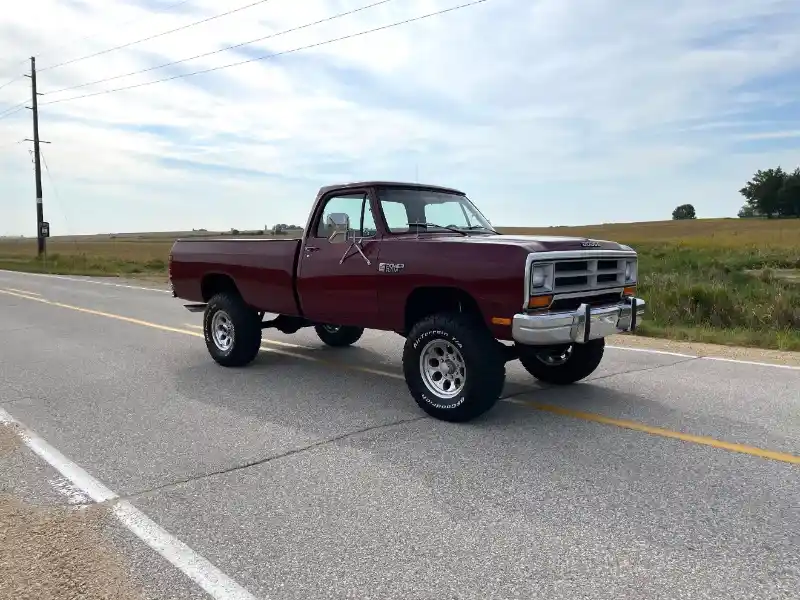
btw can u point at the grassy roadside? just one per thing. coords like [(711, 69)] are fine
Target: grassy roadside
[(726, 281)]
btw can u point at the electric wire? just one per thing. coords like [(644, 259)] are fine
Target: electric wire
[(7, 83), (96, 33), (154, 36), (270, 56), (13, 110), (234, 46)]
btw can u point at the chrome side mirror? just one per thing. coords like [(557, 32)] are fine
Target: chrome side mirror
[(339, 225)]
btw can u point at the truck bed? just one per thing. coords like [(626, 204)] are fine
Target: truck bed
[(263, 269)]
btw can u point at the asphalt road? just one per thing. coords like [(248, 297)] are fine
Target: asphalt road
[(312, 473)]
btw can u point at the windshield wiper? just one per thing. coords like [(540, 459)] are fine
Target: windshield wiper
[(453, 229), (474, 227)]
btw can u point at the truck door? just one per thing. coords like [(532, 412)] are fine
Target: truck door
[(334, 281)]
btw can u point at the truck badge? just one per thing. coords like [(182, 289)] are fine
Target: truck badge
[(390, 267), (590, 244)]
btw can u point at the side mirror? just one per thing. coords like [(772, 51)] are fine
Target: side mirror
[(339, 225)]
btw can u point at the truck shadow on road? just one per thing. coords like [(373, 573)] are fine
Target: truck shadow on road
[(324, 397)]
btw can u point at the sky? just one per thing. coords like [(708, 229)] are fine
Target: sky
[(545, 112)]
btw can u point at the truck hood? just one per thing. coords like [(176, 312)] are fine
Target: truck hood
[(537, 243)]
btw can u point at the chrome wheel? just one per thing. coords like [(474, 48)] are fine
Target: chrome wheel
[(443, 369), (222, 330), (555, 358), (332, 328)]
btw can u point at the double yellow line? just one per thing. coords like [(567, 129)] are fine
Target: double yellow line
[(286, 349)]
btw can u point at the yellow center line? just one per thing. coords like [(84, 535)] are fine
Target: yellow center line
[(559, 410), (667, 433), (272, 342)]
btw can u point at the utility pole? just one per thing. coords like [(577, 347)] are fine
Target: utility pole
[(36, 160)]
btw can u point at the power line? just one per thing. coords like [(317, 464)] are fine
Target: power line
[(95, 34), (261, 39), (152, 37), (7, 83), (269, 56), (117, 26), (13, 110)]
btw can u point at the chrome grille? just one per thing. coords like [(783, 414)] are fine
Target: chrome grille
[(588, 274)]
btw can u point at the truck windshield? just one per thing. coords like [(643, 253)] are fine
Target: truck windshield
[(423, 210)]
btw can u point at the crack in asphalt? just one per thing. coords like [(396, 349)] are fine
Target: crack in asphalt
[(269, 459)]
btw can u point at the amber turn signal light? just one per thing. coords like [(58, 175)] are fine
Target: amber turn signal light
[(501, 321), (629, 291), (539, 301)]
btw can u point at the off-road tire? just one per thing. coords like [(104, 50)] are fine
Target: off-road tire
[(344, 335), (245, 330), (485, 369), (582, 362)]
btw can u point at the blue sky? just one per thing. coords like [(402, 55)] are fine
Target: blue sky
[(548, 112)]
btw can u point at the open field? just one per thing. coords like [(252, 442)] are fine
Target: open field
[(728, 281)]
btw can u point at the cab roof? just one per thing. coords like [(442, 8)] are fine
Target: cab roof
[(396, 184)]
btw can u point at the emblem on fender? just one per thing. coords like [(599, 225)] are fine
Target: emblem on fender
[(390, 267)]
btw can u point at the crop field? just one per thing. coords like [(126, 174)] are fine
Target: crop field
[(726, 281)]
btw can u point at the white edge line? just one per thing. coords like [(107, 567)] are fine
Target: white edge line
[(750, 362), (190, 563), (108, 283), (715, 358), (649, 351)]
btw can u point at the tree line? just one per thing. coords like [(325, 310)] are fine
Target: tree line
[(771, 193)]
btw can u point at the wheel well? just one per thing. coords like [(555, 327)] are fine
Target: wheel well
[(430, 300), (215, 283)]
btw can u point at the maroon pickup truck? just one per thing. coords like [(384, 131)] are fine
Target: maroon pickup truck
[(422, 261)]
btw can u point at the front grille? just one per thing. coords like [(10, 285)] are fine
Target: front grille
[(595, 300), (586, 275)]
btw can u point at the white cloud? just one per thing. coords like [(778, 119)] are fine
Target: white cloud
[(548, 112)]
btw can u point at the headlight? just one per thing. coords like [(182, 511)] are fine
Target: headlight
[(541, 278), (630, 271)]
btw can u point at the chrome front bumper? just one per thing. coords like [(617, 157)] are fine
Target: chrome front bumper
[(578, 326)]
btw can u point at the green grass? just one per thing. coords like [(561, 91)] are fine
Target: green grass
[(724, 281), (721, 295)]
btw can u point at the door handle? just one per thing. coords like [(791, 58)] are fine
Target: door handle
[(310, 249)]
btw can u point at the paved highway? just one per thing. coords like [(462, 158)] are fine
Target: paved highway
[(312, 473)]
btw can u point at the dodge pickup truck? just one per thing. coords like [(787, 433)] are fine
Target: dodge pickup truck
[(424, 262)]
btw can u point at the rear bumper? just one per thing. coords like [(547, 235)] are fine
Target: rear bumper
[(578, 326)]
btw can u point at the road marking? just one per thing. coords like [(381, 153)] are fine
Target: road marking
[(667, 433), (648, 351), (196, 567), (697, 439), (24, 292), (274, 342), (624, 348), (79, 280), (714, 358)]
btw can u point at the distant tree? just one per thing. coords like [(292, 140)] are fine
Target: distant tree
[(788, 202), (747, 212), (762, 191), (684, 211)]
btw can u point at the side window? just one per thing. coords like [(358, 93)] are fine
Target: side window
[(396, 216), (351, 204)]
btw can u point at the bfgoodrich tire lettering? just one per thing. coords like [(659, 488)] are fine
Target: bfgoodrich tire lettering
[(582, 361), (483, 375), (240, 344)]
